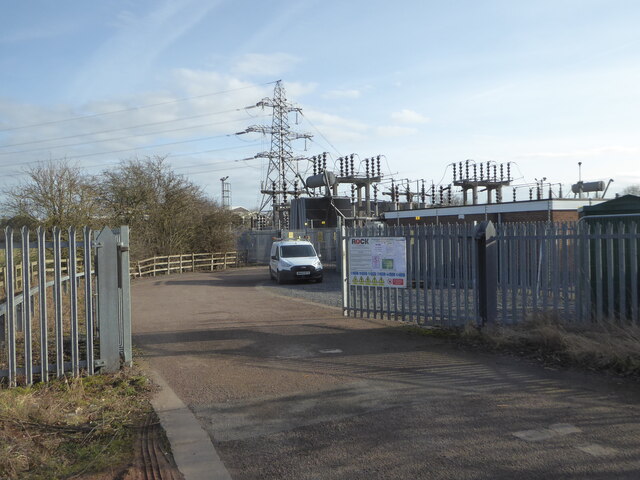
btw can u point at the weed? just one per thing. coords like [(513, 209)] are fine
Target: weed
[(605, 346), (71, 425)]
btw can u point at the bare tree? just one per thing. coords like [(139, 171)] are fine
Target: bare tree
[(165, 210), (632, 190), (55, 193), (217, 230)]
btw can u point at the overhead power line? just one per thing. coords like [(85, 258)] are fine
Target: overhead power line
[(140, 107), (143, 147), (113, 139), (320, 133), (140, 125), (173, 155)]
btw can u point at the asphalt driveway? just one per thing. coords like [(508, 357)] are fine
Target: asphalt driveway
[(288, 389)]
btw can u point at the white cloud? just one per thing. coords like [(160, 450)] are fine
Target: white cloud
[(125, 58), (99, 134), (408, 116), (335, 120), (295, 90), (262, 64), (395, 131), (591, 152), (336, 128), (339, 94)]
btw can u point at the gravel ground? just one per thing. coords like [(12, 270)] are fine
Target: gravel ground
[(327, 293)]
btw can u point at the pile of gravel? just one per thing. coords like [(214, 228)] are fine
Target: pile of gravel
[(328, 292)]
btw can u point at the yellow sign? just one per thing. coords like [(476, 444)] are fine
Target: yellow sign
[(367, 281), (417, 218), (290, 234)]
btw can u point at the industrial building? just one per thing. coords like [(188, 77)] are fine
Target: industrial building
[(544, 210)]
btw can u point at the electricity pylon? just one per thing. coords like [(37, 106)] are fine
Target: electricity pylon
[(283, 179)]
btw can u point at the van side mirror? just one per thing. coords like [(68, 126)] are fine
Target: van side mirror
[(273, 257), (319, 255)]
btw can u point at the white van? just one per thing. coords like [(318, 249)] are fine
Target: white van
[(294, 260)]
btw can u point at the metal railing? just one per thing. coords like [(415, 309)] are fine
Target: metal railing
[(571, 272), (54, 322), (188, 262)]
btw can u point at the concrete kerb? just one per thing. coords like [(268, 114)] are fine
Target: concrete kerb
[(193, 452)]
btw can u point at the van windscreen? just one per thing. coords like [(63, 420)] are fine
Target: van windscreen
[(288, 251)]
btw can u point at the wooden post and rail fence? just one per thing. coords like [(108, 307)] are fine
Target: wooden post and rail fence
[(159, 265), (189, 262)]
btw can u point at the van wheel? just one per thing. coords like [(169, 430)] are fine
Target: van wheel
[(279, 279), (319, 280), (271, 276)]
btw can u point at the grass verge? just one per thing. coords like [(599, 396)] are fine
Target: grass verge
[(72, 426), (606, 346)]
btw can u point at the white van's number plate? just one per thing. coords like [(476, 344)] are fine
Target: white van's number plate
[(303, 273)]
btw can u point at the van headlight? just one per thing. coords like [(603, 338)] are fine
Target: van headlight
[(317, 265), (286, 264)]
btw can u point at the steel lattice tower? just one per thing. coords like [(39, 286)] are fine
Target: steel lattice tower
[(283, 174)]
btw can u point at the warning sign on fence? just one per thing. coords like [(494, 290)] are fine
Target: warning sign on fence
[(378, 262)]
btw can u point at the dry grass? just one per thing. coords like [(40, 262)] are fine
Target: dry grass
[(71, 426), (606, 346)]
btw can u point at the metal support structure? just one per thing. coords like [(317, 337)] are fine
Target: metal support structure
[(108, 314), (10, 310), (283, 170), (487, 272), (124, 284), (226, 192), (26, 306), (343, 267), (88, 300)]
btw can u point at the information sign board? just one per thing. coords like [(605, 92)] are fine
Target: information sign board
[(378, 261)]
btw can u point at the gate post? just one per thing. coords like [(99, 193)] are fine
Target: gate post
[(125, 291), (107, 307), (487, 277), (344, 271)]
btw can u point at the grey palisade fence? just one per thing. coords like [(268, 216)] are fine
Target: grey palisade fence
[(65, 303), (505, 274)]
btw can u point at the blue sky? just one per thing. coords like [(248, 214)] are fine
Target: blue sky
[(544, 84)]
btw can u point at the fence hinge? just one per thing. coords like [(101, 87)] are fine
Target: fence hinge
[(98, 363)]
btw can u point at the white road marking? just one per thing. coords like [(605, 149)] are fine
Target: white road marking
[(534, 435), (597, 450), (564, 428), (546, 433)]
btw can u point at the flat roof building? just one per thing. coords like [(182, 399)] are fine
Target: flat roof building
[(546, 210)]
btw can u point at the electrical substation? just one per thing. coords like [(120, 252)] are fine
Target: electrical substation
[(323, 191)]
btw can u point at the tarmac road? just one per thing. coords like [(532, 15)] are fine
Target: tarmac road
[(287, 389)]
